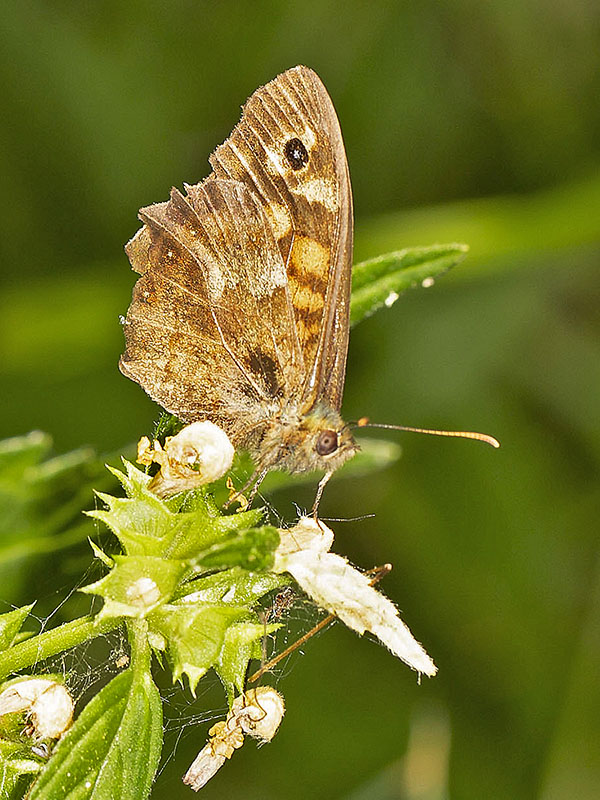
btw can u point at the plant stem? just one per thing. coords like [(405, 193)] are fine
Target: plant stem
[(50, 643), (137, 630)]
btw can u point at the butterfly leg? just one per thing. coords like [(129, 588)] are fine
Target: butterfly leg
[(251, 484), (320, 487)]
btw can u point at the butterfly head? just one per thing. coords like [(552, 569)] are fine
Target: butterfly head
[(318, 440)]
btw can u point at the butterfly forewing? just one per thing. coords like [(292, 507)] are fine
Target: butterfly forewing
[(288, 150)]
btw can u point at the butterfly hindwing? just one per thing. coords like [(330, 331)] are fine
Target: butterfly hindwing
[(210, 331)]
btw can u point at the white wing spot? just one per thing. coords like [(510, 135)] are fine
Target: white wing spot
[(279, 218), (308, 138), (319, 190)]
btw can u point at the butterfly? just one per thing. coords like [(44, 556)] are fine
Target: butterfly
[(241, 313)]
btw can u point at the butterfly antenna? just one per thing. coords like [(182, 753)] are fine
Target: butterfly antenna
[(480, 437)]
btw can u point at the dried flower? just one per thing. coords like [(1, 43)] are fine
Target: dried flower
[(48, 704), (200, 453), (258, 713)]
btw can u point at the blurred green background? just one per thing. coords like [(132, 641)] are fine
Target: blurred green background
[(463, 121)]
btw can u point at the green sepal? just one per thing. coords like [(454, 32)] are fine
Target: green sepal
[(141, 522), (101, 555), (193, 636), (166, 425), (133, 480), (378, 281), (235, 586), (10, 625), (253, 550), (197, 531), (239, 647), (176, 528), (137, 585)]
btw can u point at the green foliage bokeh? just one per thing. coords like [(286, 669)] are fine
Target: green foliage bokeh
[(463, 121)]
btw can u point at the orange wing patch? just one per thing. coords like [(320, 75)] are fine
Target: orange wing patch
[(308, 272)]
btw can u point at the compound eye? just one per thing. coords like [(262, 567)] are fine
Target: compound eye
[(327, 443)]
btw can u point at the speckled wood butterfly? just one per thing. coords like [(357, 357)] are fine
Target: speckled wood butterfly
[(241, 315)]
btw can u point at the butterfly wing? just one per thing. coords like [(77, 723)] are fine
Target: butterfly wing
[(288, 150), (210, 330)]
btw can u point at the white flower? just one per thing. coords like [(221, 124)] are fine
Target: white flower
[(258, 713), (344, 591), (200, 453)]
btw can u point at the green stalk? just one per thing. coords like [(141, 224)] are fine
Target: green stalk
[(50, 643)]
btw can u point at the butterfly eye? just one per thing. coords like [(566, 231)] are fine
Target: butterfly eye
[(296, 154), (327, 443)]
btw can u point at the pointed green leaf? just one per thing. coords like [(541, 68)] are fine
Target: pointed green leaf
[(379, 281), (10, 625), (196, 531), (17, 764), (143, 525), (133, 480), (253, 549), (176, 528), (101, 555)]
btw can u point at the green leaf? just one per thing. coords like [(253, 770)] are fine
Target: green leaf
[(137, 585), (141, 525), (253, 549), (198, 530), (239, 647), (192, 636), (40, 503), (10, 625), (112, 750), (17, 764), (379, 281)]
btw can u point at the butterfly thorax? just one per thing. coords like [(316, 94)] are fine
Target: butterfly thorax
[(294, 441)]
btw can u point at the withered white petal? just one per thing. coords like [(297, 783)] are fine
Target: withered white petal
[(205, 766), (306, 535), (344, 591), (202, 445), (259, 712)]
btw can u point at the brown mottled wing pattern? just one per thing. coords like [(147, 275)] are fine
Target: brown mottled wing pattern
[(210, 331), (308, 203)]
